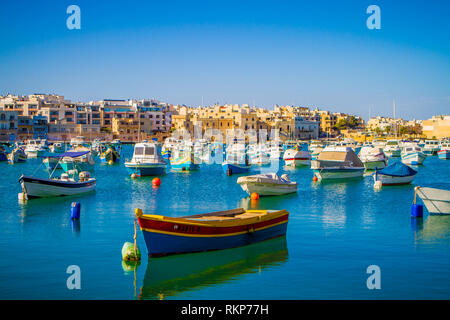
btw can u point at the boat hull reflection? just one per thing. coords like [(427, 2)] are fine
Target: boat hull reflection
[(173, 275)]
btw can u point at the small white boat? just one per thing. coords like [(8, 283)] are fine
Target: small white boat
[(35, 148), (413, 155), (395, 174), (372, 158), (297, 157), (431, 147), (444, 152), (34, 187), (336, 162), (392, 149), (269, 184), (57, 147), (147, 160), (436, 200)]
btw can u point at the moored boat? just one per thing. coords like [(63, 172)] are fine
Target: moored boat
[(183, 159), (17, 155), (211, 231), (392, 149), (146, 161), (395, 174), (110, 155), (437, 201), (269, 184), (79, 159), (34, 187), (444, 152), (413, 155), (336, 162), (296, 157), (236, 161), (372, 158)]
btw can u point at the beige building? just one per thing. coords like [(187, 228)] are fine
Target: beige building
[(437, 127)]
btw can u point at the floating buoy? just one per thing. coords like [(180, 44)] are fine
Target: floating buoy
[(133, 175), (110, 162), (156, 182), (254, 196), (378, 185), (315, 178), (22, 196), (254, 204), (130, 251), (75, 210), (416, 209)]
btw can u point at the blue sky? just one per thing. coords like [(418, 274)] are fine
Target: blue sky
[(314, 53)]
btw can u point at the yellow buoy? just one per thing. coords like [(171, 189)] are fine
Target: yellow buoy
[(133, 175), (110, 162)]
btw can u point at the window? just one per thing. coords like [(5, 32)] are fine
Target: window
[(149, 151), (138, 151)]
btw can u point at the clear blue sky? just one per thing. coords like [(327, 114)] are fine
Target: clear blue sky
[(314, 53)]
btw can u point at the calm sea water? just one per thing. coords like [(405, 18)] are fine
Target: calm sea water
[(336, 230)]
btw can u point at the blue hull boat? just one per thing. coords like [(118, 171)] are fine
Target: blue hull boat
[(142, 170), (230, 168)]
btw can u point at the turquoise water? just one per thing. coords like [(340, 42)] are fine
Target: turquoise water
[(335, 231)]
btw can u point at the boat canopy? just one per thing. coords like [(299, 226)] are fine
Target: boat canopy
[(398, 169), (340, 155), (71, 154)]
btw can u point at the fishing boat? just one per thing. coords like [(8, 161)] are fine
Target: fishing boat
[(259, 155), (412, 155), (78, 141), (392, 149), (17, 155), (269, 184), (35, 148), (236, 161), (444, 152), (296, 157), (337, 162), (395, 174), (211, 231), (110, 155), (146, 161), (372, 158), (82, 162), (183, 159), (437, 201), (66, 185), (431, 147)]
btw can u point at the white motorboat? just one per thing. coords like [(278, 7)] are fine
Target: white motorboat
[(267, 184), (297, 157), (147, 160), (65, 185), (392, 149), (437, 201), (431, 147), (35, 148), (372, 158), (336, 162), (413, 155)]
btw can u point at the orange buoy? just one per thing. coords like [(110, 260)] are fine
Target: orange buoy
[(156, 182), (315, 178), (254, 196)]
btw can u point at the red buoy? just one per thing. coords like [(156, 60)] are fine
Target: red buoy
[(254, 196), (156, 182), (315, 178)]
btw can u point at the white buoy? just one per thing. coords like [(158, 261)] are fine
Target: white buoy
[(22, 196)]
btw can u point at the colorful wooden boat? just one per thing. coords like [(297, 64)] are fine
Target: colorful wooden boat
[(111, 155), (17, 155), (297, 157), (444, 152), (211, 231), (184, 160)]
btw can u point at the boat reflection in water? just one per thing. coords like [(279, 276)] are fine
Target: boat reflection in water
[(173, 275), (436, 228)]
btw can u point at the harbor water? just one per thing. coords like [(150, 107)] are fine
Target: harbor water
[(336, 231)]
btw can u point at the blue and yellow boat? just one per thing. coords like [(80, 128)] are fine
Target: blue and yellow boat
[(184, 161), (111, 155), (211, 231)]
